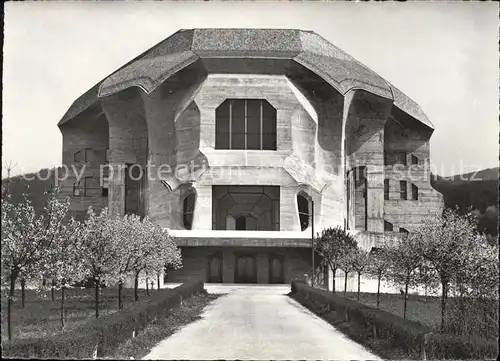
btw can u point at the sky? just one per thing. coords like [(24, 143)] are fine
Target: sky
[(442, 55)]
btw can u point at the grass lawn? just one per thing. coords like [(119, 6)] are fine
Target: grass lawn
[(158, 330), (41, 316), (379, 346), (425, 310)]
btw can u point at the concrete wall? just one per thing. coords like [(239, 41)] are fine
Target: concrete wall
[(320, 135), (401, 136), (87, 131), (195, 262)]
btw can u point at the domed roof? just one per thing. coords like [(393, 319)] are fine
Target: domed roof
[(337, 68)]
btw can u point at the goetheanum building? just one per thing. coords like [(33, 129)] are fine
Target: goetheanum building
[(227, 136)]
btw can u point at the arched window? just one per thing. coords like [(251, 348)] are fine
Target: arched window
[(245, 124), (188, 211), (303, 205)]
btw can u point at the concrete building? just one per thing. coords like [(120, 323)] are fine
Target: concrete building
[(227, 137)]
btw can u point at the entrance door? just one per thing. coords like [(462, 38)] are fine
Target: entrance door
[(276, 269), (245, 271), (215, 269)]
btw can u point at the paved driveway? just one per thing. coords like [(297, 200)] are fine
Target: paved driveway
[(258, 323)]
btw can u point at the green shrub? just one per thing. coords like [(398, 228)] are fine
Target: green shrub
[(107, 332), (401, 332), (446, 346), (66, 345)]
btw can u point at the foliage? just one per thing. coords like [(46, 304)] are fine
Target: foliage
[(378, 265), (100, 252), (448, 243), (105, 334), (27, 238), (405, 259), (400, 332), (360, 262), (334, 245)]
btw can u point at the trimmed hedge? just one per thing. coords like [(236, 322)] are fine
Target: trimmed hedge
[(100, 337), (448, 346), (414, 337)]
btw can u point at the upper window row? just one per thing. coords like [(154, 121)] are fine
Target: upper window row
[(88, 155), (399, 158), (403, 194), (245, 124)]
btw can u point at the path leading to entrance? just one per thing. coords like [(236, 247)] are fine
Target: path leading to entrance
[(260, 323)]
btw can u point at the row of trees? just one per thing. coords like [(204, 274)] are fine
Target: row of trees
[(446, 255), (105, 249)]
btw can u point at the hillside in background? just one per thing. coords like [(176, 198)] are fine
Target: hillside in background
[(36, 189), (477, 191)]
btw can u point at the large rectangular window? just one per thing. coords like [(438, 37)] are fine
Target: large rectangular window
[(245, 124), (246, 207)]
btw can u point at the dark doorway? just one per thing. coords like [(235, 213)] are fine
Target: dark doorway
[(276, 269), (241, 223), (215, 269), (245, 270)]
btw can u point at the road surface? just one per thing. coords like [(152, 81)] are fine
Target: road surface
[(258, 323)]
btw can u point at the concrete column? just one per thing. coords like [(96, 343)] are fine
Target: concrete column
[(116, 196), (262, 261), (289, 218), (203, 208), (227, 266), (375, 198)]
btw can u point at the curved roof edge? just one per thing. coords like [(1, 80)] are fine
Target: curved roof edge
[(157, 64)]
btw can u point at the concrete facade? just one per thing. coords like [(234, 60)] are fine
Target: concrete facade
[(340, 133)]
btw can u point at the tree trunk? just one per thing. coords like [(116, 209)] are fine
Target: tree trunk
[(23, 293), (62, 307), (359, 283), (9, 304), (444, 296), (96, 298), (52, 290), (147, 284), (334, 273), (136, 288), (345, 282), (158, 280), (120, 289), (378, 289), (406, 297)]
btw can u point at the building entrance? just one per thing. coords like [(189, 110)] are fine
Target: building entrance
[(245, 270)]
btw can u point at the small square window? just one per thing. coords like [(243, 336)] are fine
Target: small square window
[(402, 158), (76, 190), (414, 160), (87, 186)]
